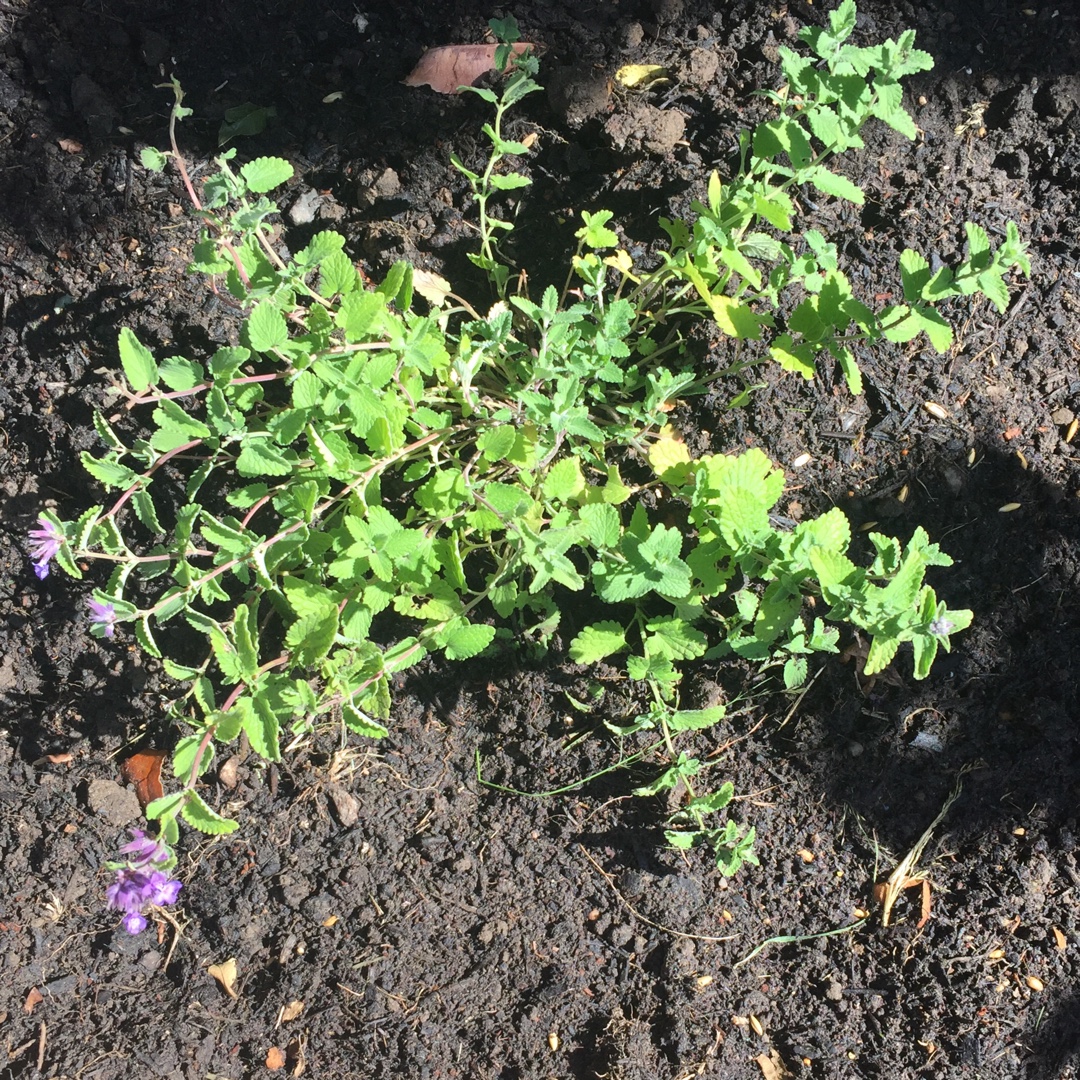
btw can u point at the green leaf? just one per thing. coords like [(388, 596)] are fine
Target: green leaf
[(695, 719), (138, 362), (310, 638), (361, 724), (337, 275), (262, 728), (830, 183), (111, 473), (245, 630), (145, 638), (181, 672), (594, 233), (145, 510), (152, 159), (180, 374), (266, 328), (165, 807), (674, 639), (199, 816), (795, 671), (259, 457), (509, 181), (564, 480), (265, 173), (467, 640), (597, 641)]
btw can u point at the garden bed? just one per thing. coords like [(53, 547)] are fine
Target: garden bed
[(430, 925)]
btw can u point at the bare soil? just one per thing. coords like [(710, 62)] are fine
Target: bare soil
[(430, 926)]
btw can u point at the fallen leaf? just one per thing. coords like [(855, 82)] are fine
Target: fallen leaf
[(70, 146), (772, 1066), (144, 771), (292, 1010), (226, 975), (638, 76), (275, 1059), (34, 997), (450, 67)]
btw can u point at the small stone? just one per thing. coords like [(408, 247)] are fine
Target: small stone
[(346, 808), (388, 185), (117, 805), (302, 212), (633, 35), (1063, 417), (834, 991), (702, 67)]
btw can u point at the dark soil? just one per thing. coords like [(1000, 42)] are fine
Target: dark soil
[(449, 930)]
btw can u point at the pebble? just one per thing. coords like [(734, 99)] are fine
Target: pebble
[(1063, 417), (117, 805)]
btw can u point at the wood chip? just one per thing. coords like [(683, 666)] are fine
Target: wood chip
[(772, 1066), (275, 1059)]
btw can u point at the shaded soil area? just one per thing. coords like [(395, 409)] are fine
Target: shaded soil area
[(430, 926)]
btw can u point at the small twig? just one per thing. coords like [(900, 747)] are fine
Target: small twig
[(903, 877)]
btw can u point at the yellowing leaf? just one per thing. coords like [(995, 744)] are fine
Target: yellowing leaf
[(638, 76), (433, 288), (735, 319), (450, 67), (622, 262), (225, 974), (668, 456)]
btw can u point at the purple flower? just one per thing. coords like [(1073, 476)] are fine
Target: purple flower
[(44, 544), (137, 885), (134, 922), (102, 618), (941, 627), (143, 850)]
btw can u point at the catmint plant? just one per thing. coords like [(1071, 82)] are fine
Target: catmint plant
[(355, 484)]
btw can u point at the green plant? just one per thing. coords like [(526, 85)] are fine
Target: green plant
[(519, 84), (356, 485)]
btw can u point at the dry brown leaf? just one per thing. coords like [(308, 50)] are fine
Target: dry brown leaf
[(772, 1066), (449, 67), (144, 771), (33, 998), (292, 1010), (70, 146), (1059, 937), (275, 1059), (226, 975)]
